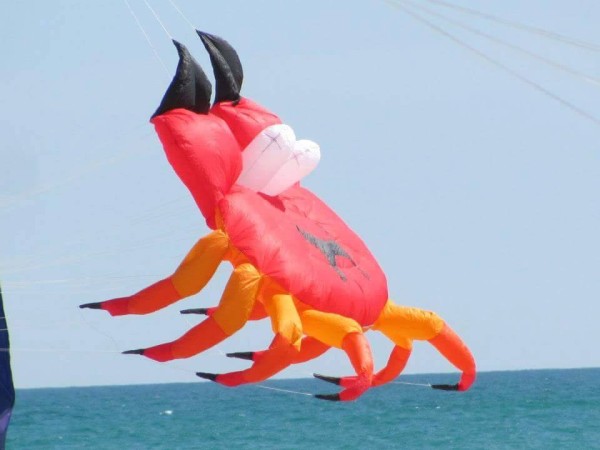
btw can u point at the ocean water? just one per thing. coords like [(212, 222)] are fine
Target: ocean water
[(546, 409)]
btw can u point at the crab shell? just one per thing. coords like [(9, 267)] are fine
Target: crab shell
[(293, 237)]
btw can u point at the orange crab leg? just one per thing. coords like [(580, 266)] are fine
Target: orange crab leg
[(232, 313), (395, 365), (454, 350), (189, 278), (258, 311), (310, 348), (403, 324), (346, 334), (284, 347)]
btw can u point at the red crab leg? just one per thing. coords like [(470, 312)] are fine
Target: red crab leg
[(232, 313), (191, 276), (284, 347)]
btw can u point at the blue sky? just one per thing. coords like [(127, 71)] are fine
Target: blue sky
[(477, 193)]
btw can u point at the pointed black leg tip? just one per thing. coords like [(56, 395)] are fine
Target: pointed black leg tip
[(139, 351), (334, 380), (189, 89), (97, 305), (329, 397), (195, 311), (227, 67), (241, 355), (445, 387), (208, 376)]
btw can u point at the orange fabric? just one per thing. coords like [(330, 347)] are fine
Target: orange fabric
[(395, 365), (258, 312), (238, 299), (201, 337), (450, 345), (279, 356), (310, 348), (329, 328), (231, 314), (196, 340), (358, 350), (154, 297), (400, 323), (200, 263), (284, 347), (285, 320)]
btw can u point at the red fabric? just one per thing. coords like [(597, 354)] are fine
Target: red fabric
[(245, 119), (267, 230), (205, 151), (117, 306)]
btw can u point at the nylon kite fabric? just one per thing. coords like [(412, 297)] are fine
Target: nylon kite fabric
[(294, 260), (7, 389)]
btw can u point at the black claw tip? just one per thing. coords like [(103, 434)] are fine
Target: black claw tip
[(334, 380), (97, 305), (330, 397), (139, 351), (445, 387), (226, 66), (195, 311), (189, 89), (242, 355), (208, 376)]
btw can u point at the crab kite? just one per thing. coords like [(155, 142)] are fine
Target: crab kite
[(294, 260)]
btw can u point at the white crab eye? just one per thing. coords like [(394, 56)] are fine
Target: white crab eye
[(305, 157), (274, 160)]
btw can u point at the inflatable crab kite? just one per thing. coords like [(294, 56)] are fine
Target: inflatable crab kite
[(294, 260)]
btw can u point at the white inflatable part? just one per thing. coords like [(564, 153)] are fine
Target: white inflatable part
[(305, 157), (265, 155), (274, 160)]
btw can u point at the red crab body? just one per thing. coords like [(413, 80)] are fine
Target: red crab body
[(299, 242)]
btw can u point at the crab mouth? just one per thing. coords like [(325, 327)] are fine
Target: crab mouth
[(274, 160)]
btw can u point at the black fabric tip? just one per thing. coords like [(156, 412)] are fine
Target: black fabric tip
[(227, 67), (445, 387), (139, 351), (189, 89), (241, 355), (334, 380), (208, 376), (330, 397), (195, 311), (97, 305)]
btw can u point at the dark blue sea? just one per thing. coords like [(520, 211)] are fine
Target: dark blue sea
[(546, 409)]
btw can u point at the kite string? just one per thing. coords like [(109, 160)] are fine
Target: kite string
[(158, 19), (520, 26), (550, 62), (402, 5), (139, 24), (262, 386), (411, 384), (181, 14)]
